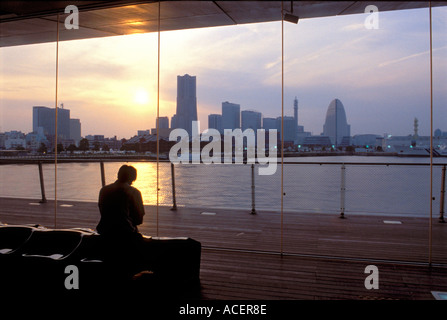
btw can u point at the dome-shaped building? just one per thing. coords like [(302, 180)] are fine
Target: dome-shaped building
[(336, 126)]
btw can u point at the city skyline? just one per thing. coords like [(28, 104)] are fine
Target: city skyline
[(382, 76), (253, 120), (166, 124)]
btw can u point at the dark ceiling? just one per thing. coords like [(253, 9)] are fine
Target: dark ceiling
[(28, 22)]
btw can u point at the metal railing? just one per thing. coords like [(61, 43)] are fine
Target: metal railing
[(343, 181)]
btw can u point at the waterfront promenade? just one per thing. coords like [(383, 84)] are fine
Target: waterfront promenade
[(324, 257)]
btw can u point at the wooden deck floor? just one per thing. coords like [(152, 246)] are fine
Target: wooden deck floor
[(324, 256)]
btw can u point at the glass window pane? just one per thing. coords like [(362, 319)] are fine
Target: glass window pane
[(363, 97)]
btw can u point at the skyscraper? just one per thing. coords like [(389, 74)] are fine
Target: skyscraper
[(75, 130), (43, 117), (46, 118), (251, 120), (269, 123), (186, 103), (289, 126), (174, 122), (215, 122), (295, 110), (231, 115), (336, 126), (163, 121)]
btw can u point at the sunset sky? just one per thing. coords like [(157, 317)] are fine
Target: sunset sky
[(381, 76)]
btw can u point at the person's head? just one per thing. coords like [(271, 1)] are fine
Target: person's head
[(127, 174)]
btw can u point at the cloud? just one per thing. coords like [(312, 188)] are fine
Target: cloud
[(383, 64), (353, 27), (275, 64), (412, 56)]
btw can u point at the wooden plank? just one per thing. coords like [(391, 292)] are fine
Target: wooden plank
[(328, 280), (234, 267), (320, 234)]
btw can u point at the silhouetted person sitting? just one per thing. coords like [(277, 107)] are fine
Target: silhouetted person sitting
[(122, 210), (121, 205)]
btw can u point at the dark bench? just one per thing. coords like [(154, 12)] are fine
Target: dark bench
[(34, 257)]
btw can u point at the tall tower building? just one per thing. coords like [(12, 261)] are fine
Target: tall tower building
[(215, 122), (336, 126), (46, 118), (269, 123), (63, 122), (415, 128), (163, 121), (174, 121), (251, 120), (231, 115), (289, 126), (75, 130), (186, 103), (295, 110), (43, 117)]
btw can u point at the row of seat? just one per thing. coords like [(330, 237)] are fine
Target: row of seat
[(33, 256)]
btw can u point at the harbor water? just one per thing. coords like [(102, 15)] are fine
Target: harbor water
[(374, 185)]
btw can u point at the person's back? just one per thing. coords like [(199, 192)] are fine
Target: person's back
[(120, 205)]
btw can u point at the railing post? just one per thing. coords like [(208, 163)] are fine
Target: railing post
[(441, 204), (103, 177), (42, 186), (342, 191), (253, 211), (174, 203)]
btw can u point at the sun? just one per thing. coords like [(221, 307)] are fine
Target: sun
[(141, 96)]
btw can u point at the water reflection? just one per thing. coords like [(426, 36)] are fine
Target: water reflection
[(373, 189), (217, 185), (146, 180)]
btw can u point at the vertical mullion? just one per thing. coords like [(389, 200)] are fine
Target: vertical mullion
[(55, 122)]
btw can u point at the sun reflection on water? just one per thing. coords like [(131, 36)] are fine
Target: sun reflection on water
[(147, 183)]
